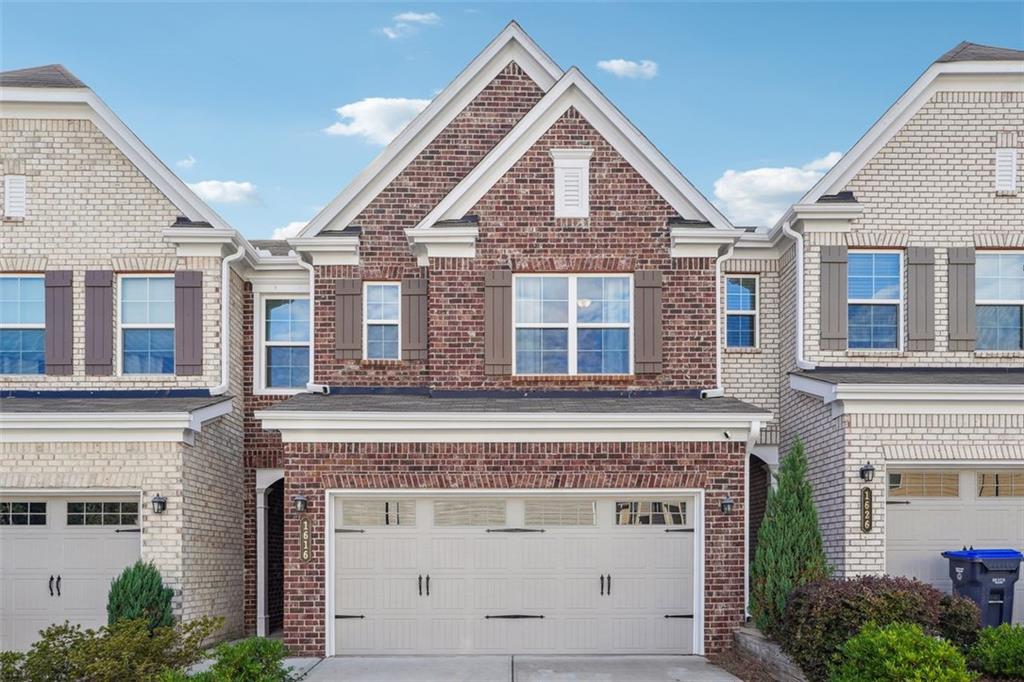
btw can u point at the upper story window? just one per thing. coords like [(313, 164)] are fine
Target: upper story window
[(22, 324), (15, 196), (999, 293), (572, 182), (741, 326), (146, 324), (573, 324), (382, 306), (285, 361), (874, 296)]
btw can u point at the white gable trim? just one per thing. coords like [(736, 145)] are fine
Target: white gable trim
[(512, 44), (574, 90), (82, 103)]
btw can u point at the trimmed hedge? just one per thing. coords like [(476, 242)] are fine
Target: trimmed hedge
[(999, 652), (900, 652)]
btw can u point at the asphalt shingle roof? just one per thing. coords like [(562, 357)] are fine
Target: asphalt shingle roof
[(49, 76), (973, 52), (276, 247), (1009, 376), (104, 405)]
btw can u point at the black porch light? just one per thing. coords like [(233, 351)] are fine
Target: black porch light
[(867, 473), (727, 504), (300, 503), (159, 503)]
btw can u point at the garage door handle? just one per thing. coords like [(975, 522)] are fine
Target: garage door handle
[(428, 584), (609, 584), (58, 585), (51, 585), (421, 584), (602, 585)]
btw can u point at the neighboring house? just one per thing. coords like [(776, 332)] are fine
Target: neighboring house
[(484, 402)]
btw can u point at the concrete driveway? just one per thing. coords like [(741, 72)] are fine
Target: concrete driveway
[(517, 669)]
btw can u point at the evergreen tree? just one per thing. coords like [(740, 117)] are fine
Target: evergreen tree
[(789, 548), (139, 592)]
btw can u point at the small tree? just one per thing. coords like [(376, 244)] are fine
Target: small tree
[(789, 549), (139, 592)]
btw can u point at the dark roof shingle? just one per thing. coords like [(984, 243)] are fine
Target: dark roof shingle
[(49, 76), (973, 52), (106, 405), (276, 247)]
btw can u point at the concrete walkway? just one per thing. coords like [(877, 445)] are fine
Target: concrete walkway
[(516, 669)]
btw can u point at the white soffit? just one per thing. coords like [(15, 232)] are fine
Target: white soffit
[(574, 90), (512, 44)]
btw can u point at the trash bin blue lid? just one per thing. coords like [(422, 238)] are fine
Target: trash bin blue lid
[(982, 554)]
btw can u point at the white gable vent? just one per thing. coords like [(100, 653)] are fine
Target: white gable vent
[(14, 196), (1006, 170), (572, 182)]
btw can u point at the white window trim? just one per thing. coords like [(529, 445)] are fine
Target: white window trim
[(898, 302), (1002, 153), (26, 325), (10, 180), (367, 321), (259, 370), (578, 159), (756, 312), (998, 301), (572, 325), (121, 326)]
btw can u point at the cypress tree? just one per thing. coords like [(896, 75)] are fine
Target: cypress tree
[(139, 592), (789, 548)]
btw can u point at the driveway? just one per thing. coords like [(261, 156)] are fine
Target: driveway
[(517, 669)]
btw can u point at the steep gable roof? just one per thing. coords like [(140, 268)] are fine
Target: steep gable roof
[(574, 90), (512, 44), (973, 52), (49, 76)]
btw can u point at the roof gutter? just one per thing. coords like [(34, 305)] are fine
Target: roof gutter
[(225, 321), (718, 391), (310, 386), (799, 240)]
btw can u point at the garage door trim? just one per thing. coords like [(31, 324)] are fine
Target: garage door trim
[(698, 523)]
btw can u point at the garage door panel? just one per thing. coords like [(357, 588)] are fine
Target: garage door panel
[(540, 592), (574, 593), (582, 552), (582, 635), (541, 553), (29, 552)]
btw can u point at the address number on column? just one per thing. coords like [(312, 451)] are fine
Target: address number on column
[(305, 540)]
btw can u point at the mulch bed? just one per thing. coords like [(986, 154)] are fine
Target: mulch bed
[(743, 667)]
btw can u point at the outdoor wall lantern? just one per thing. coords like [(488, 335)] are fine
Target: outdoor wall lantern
[(727, 504), (300, 502), (159, 503), (867, 473)]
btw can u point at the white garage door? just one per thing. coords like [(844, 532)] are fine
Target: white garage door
[(57, 557), (530, 575), (931, 511)]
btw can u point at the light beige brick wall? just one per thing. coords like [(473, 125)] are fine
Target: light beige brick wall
[(90, 208)]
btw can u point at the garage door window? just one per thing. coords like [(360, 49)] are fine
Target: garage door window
[(22, 513), (560, 513), (103, 513), (924, 484), (1001, 483), (650, 513), (379, 512), (470, 513)]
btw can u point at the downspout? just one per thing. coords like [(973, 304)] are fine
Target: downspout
[(801, 363), (718, 391), (225, 321), (310, 386)]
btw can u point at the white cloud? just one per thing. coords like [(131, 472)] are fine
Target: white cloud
[(225, 191), (759, 196), (377, 119), (408, 23), (626, 68), (289, 230), (187, 162)]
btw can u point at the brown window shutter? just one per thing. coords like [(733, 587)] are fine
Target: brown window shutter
[(348, 319), (962, 325), (59, 325), (498, 322), (414, 319), (647, 325), (920, 298), (833, 298), (188, 323), (99, 322)]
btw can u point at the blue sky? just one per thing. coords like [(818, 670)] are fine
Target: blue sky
[(243, 92)]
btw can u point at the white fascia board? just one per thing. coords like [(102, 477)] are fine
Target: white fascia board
[(491, 427), (700, 242), (202, 241), (442, 242), (826, 217), (512, 44), (325, 250), (93, 427), (574, 90), (913, 398), (176, 191), (961, 76)]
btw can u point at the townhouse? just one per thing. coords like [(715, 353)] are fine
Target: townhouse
[(517, 388)]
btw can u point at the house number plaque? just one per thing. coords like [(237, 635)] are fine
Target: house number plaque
[(866, 509), (305, 540)]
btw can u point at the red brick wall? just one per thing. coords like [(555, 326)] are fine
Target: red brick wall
[(310, 468)]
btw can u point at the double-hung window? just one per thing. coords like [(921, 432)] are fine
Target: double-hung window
[(22, 324), (573, 324), (285, 343), (382, 306), (741, 312), (874, 295), (999, 292), (146, 324)]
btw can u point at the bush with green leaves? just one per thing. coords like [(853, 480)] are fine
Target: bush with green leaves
[(139, 592), (999, 652), (255, 659), (899, 652), (820, 617), (789, 548)]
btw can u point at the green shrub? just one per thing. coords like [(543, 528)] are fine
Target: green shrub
[(50, 657), (789, 549), (139, 592), (10, 666), (900, 652), (255, 659), (999, 652), (959, 621), (820, 617)]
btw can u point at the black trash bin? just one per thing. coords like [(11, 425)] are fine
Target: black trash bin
[(986, 577)]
